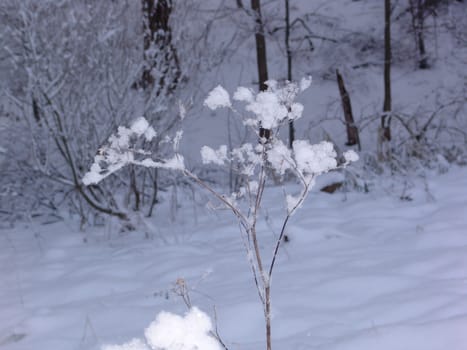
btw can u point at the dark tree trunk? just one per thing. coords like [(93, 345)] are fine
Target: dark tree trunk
[(417, 10), (385, 118), (352, 130), (134, 189), (158, 47), (423, 61), (155, 189), (161, 72), (289, 65), (261, 57), (36, 111)]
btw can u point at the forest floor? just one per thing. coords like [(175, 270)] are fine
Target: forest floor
[(360, 271)]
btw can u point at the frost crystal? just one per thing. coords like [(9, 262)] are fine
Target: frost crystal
[(217, 98)]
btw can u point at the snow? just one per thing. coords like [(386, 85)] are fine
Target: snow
[(208, 155), (292, 203), (119, 152), (314, 159), (359, 272), (173, 332), (177, 162), (268, 109), (350, 156), (296, 111), (305, 83), (182, 110), (244, 94), (218, 98), (134, 344), (139, 126), (280, 157)]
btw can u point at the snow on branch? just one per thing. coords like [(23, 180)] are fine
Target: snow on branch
[(270, 108), (254, 163), (218, 98), (120, 151)]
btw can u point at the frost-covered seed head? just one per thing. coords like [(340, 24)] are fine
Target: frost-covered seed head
[(217, 98), (350, 156)]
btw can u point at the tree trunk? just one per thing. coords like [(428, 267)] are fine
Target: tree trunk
[(289, 65), (260, 45), (385, 129), (134, 189), (267, 310), (158, 47), (423, 61), (155, 191), (159, 55), (261, 57), (417, 10), (352, 131)]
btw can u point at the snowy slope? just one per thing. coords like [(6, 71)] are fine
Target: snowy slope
[(361, 271)]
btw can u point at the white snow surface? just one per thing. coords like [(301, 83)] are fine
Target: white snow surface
[(359, 272)]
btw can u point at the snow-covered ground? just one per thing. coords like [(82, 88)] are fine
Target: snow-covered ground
[(360, 272)]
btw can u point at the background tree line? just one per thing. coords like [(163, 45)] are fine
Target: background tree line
[(75, 70)]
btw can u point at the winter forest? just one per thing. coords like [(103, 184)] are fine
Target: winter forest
[(233, 174)]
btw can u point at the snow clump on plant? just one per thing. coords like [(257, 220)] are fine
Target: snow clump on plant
[(174, 332), (254, 163)]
